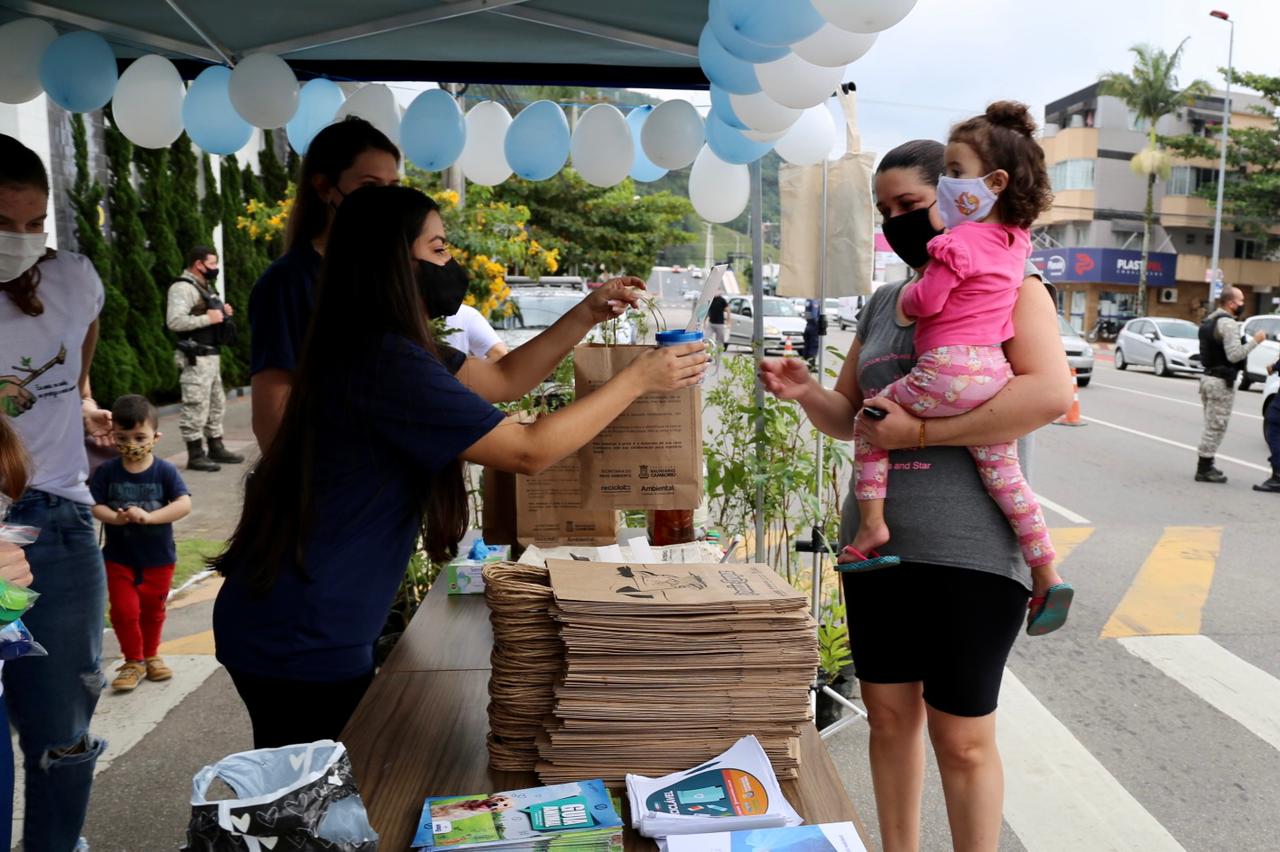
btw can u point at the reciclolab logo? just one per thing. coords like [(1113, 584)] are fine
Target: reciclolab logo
[(1056, 266)]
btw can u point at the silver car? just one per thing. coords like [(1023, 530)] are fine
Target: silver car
[(1167, 346), (1079, 352)]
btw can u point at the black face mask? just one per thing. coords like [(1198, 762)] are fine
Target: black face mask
[(1239, 311), (443, 287), (909, 234), (210, 276)]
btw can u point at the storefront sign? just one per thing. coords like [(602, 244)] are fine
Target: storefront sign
[(1105, 266)]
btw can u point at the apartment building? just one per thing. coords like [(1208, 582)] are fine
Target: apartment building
[(1090, 243)]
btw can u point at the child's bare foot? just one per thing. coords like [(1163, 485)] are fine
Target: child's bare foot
[(1043, 577), (869, 538)]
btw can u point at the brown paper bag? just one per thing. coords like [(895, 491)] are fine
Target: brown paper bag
[(549, 509), (651, 456)]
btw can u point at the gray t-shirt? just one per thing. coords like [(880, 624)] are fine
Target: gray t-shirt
[(937, 509)]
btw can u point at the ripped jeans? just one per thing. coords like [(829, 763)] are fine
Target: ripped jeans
[(51, 699)]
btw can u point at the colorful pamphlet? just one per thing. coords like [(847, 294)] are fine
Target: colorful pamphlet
[(830, 837), (579, 816)]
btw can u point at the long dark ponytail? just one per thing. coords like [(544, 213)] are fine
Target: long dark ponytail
[(368, 289), (331, 152)]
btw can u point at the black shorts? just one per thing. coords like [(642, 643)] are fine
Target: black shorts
[(948, 628)]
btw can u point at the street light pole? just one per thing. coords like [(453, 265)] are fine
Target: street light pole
[(1215, 287)]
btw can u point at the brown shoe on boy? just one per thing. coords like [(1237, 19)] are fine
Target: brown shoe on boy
[(157, 670)]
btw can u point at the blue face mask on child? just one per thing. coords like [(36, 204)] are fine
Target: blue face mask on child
[(963, 200)]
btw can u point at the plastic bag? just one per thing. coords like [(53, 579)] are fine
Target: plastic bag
[(297, 797), (16, 641), (15, 600)]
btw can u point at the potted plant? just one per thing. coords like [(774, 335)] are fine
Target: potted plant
[(835, 661)]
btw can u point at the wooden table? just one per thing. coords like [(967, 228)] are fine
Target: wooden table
[(420, 730)]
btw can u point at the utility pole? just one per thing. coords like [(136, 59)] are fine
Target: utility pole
[(710, 255), (453, 177), (1215, 287)]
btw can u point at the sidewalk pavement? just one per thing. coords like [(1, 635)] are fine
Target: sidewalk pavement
[(161, 734)]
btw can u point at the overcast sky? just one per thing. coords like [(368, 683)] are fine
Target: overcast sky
[(949, 58)]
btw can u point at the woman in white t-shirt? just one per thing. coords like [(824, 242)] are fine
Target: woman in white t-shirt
[(49, 305)]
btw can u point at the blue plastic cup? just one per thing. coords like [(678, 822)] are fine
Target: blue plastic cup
[(678, 338)]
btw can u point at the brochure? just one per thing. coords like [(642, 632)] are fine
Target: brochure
[(829, 837), (579, 816)]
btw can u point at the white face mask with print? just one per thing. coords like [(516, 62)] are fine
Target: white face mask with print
[(18, 253), (964, 199)]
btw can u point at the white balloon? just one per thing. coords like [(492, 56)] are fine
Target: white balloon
[(672, 135), (758, 136), (762, 113), (810, 139), (832, 46), (602, 148), (264, 90), (376, 104), (792, 82), (484, 157), (719, 191), (147, 104), (864, 16), (22, 43)]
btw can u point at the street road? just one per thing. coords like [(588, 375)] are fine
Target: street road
[(1152, 720)]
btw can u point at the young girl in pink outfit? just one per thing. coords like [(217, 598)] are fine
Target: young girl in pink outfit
[(994, 187)]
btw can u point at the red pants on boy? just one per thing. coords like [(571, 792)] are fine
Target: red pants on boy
[(138, 600)]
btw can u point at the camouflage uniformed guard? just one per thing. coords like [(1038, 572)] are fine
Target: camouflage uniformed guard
[(1222, 350), (202, 323)]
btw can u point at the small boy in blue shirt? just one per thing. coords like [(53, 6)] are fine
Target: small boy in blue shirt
[(138, 497)]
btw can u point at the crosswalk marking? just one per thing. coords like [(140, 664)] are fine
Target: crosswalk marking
[(1057, 794), (1066, 539), (1238, 689), (196, 643), (1061, 510), (1172, 586)]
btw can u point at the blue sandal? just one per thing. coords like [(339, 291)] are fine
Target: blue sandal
[(1046, 614), (866, 562)]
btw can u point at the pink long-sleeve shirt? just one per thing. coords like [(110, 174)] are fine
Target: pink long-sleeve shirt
[(967, 293)]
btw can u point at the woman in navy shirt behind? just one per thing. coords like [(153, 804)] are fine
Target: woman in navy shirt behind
[(369, 456)]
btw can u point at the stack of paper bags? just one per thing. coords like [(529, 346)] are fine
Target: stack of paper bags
[(526, 662), (667, 666), (736, 790), (827, 837)]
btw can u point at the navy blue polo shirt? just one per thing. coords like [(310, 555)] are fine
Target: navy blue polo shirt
[(138, 545), (410, 417)]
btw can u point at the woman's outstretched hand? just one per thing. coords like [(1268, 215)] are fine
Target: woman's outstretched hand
[(785, 378), (899, 430), (612, 298), (669, 367)]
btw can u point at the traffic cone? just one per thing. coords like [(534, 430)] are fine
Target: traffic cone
[(1072, 417), (787, 351)]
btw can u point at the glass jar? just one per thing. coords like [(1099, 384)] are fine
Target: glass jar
[(670, 526)]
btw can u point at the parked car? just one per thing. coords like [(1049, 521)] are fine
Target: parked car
[(1266, 353), (695, 272), (1079, 352), (571, 282), (847, 315), (831, 309), (1167, 346), (689, 294), (538, 307), (782, 322)]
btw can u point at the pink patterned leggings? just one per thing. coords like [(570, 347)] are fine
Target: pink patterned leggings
[(947, 381)]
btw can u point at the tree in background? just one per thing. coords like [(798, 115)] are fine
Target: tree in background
[(275, 179), (189, 225), (115, 364), (134, 263), (211, 201), (159, 198), (1251, 195), (243, 261), (1151, 91)]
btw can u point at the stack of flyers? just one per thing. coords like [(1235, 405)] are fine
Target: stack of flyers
[(829, 837), (577, 817), (736, 790)]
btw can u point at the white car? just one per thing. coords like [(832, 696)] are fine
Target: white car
[(848, 310), (695, 272), (1079, 352), (1167, 346), (1265, 353), (782, 322), (537, 308)]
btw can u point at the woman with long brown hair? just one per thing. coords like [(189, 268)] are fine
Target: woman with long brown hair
[(49, 305), (368, 457)]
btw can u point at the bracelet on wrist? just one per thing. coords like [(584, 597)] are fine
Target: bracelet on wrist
[(921, 444)]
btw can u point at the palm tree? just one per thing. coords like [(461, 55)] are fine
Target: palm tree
[(1151, 92)]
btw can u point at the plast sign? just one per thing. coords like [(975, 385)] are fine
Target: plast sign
[(1105, 266)]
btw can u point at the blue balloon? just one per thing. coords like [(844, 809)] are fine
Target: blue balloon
[(433, 131), (723, 68), (318, 103), (643, 168), (772, 23), (722, 109), (731, 146), (537, 143), (736, 43), (211, 121), (78, 71)]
